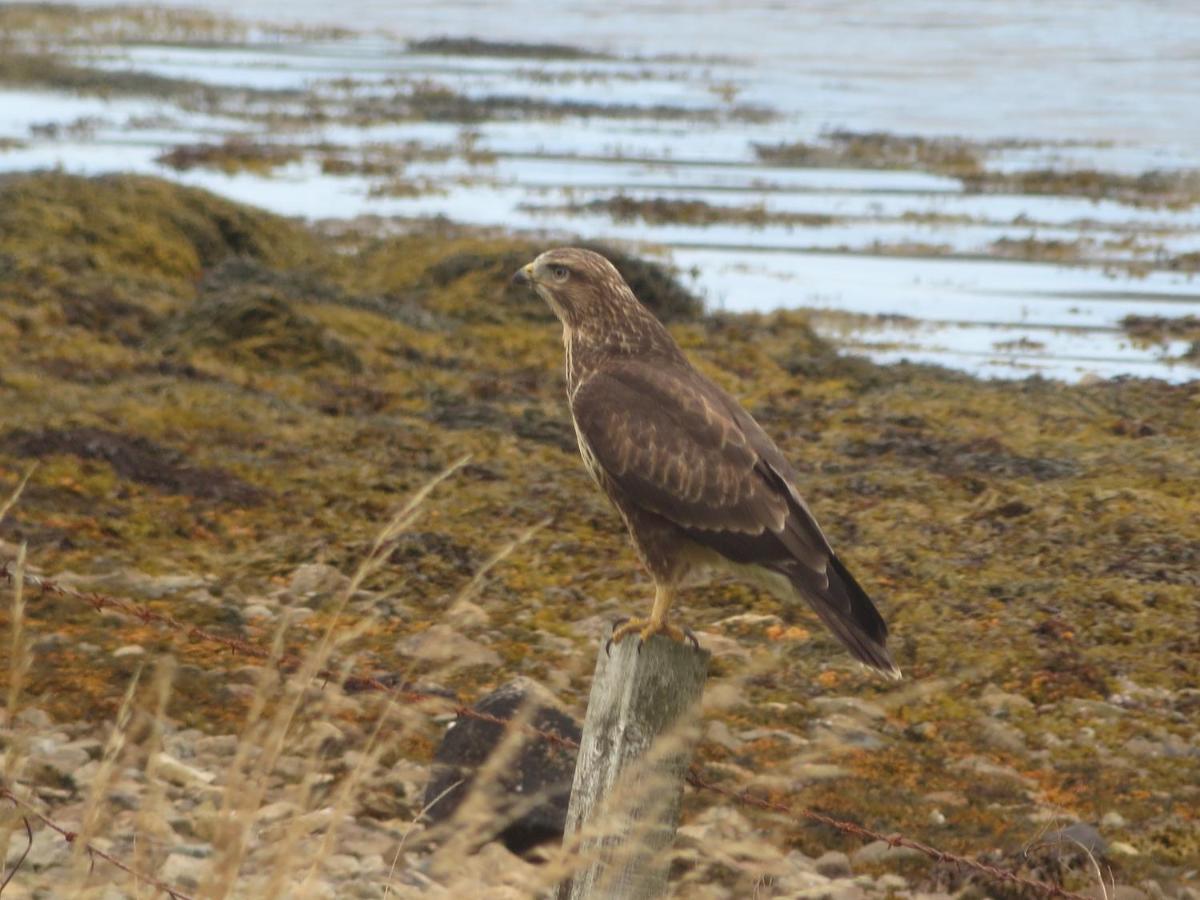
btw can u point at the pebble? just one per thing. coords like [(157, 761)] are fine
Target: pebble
[(315, 579), (443, 644), (183, 870), (181, 773), (833, 864), (878, 852), (1079, 834), (59, 764), (997, 701)]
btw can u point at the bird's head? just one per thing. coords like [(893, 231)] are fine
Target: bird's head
[(577, 284)]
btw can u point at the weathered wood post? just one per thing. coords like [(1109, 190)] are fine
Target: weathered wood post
[(638, 738)]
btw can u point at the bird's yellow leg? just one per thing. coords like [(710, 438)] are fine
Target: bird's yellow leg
[(656, 624)]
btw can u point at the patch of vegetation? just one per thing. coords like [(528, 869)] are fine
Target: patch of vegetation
[(1170, 189), (250, 319), (1039, 249), (965, 160), (1161, 329), (23, 23), (437, 103), (877, 150), (1185, 262), (232, 155), (133, 459), (54, 72), (469, 46), (665, 210)]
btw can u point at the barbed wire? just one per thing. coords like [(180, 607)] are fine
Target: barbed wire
[(412, 694), (72, 837)]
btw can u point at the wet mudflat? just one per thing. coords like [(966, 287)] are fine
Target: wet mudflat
[(921, 215)]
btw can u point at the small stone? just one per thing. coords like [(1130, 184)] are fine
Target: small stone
[(316, 578), (717, 732), (35, 719), (1113, 819), (1000, 736), (198, 851), (182, 870), (833, 864), (1121, 848), (59, 765), (721, 646), (922, 731), (129, 650), (1079, 834), (937, 817), (880, 852), (275, 812), (466, 614), (48, 851), (851, 706), (257, 611), (181, 773), (892, 882), (341, 865), (1140, 746), (441, 643), (838, 890), (997, 701), (981, 766), (213, 744)]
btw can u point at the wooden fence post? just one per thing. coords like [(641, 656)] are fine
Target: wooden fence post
[(638, 738)]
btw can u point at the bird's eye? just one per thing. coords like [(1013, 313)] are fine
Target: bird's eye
[(560, 273)]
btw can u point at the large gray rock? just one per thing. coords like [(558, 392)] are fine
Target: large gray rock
[(538, 773)]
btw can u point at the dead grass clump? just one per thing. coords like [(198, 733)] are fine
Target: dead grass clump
[(231, 156)]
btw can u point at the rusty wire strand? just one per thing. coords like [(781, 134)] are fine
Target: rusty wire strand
[(91, 849), (413, 695), (20, 862)]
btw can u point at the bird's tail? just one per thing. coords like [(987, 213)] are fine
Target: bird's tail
[(847, 611)]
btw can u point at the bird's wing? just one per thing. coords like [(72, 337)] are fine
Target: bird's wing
[(677, 445)]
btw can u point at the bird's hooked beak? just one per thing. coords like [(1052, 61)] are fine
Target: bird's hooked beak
[(523, 277)]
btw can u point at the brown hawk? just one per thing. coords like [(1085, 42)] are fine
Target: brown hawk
[(697, 481)]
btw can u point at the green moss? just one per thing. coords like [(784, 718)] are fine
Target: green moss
[(54, 227)]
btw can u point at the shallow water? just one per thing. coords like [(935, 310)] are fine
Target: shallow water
[(1078, 86)]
